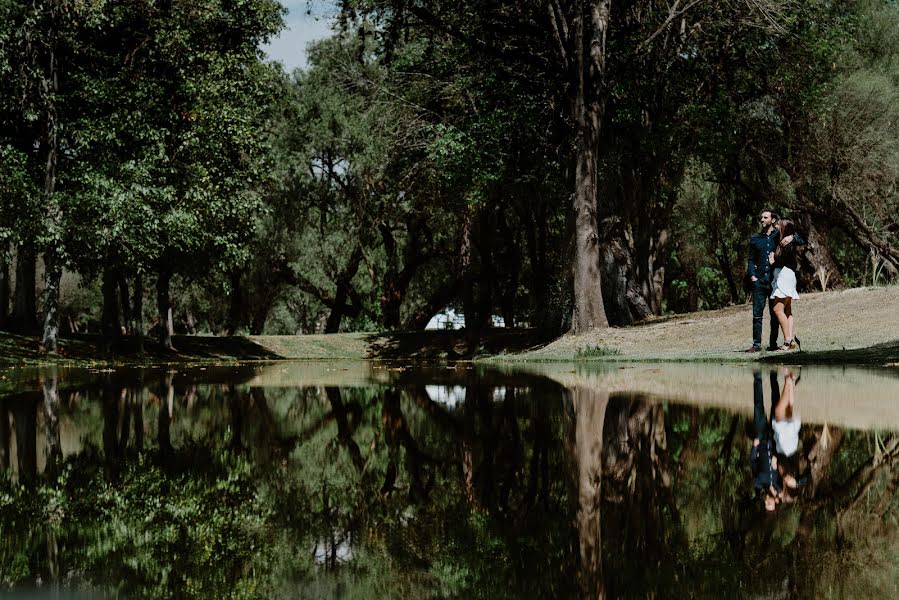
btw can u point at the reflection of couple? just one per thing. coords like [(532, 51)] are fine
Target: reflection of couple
[(775, 445), (772, 271)]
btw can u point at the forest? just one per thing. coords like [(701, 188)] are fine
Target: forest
[(561, 164)]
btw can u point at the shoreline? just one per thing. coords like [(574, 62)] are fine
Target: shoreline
[(855, 326)]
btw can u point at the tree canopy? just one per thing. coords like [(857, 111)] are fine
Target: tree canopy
[(555, 164)]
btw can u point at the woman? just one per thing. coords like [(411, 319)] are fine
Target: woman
[(784, 289)]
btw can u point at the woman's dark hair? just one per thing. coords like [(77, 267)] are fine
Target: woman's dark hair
[(785, 227)]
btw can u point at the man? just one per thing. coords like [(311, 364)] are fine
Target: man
[(760, 272)]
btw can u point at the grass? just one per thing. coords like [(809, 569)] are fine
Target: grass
[(859, 325), (594, 352)]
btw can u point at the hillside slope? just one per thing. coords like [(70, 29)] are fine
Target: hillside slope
[(831, 325)]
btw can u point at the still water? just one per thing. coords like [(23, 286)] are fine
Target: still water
[(364, 480)]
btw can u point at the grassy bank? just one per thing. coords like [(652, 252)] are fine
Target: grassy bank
[(857, 325), (851, 326)]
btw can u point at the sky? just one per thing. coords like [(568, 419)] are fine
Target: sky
[(306, 21)]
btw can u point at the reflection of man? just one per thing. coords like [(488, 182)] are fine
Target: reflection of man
[(760, 271), (763, 459)]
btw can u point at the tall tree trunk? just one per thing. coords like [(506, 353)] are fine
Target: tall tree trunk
[(486, 276), (590, 412), (52, 279), (4, 289), (138, 330), (235, 305), (511, 266), (110, 319), (466, 266), (589, 33), (391, 295), (125, 303), (164, 303), (25, 310), (52, 258)]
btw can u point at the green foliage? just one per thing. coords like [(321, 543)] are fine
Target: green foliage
[(597, 351)]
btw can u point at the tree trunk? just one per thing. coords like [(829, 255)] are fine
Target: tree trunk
[(587, 112), (52, 277), (486, 283), (466, 266), (824, 272), (24, 317), (622, 296), (125, 302), (52, 259), (511, 265), (391, 295), (235, 307), (111, 325), (589, 411), (4, 289), (541, 314), (164, 304), (343, 291), (138, 330)]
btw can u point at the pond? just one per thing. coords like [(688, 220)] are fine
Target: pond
[(398, 480)]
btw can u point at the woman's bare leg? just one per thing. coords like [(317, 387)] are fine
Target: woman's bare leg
[(788, 313), (781, 317)]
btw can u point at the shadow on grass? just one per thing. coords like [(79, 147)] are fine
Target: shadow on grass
[(25, 349), (878, 354), (452, 344)]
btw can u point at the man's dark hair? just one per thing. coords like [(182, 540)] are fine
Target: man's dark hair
[(774, 215)]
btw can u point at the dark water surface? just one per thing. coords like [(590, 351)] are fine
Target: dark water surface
[(374, 480)]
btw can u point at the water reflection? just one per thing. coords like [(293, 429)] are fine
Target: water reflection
[(274, 480)]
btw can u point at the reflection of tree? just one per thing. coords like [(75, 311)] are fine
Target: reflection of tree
[(165, 392), (397, 436), (345, 427), (24, 410), (4, 435), (589, 413), (639, 476), (820, 457), (51, 422)]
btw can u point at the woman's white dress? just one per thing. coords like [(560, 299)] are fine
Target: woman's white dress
[(784, 283)]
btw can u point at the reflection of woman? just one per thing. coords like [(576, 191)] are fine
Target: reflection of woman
[(786, 425), (784, 289)]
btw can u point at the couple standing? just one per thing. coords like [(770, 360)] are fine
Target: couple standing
[(772, 270)]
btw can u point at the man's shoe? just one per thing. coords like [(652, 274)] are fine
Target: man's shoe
[(753, 349), (772, 347)]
